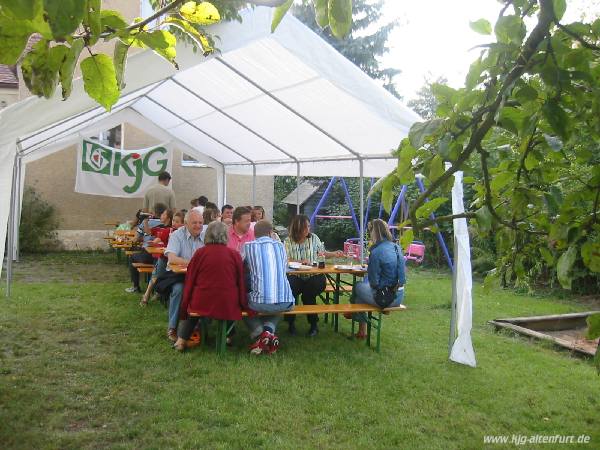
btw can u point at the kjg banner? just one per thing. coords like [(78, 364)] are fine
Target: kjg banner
[(108, 171)]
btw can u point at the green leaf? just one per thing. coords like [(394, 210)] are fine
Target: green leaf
[(40, 68), (407, 237), (430, 207), (197, 36), (593, 322), (404, 171), (340, 17), (490, 279), (120, 61), (112, 20), (64, 16), (565, 265), (21, 9), (590, 253), (484, 219), (531, 161), (481, 26), (279, 14), (547, 255), (93, 19), (560, 6), (526, 94), (99, 80), (203, 13), (321, 12), (436, 168), (501, 180), (387, 191), (13, 39), (510, 29), (68, 67), (557, 118), (420, 130), (162, 42)]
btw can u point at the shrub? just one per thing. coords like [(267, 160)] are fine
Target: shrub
[(38, 223)]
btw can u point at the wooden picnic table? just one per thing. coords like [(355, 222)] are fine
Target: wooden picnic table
[(156, 250)]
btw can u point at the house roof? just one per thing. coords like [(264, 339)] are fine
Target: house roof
[(303, 192), (8, 76)]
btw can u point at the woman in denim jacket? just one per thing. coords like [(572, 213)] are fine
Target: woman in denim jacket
[(386, 268)]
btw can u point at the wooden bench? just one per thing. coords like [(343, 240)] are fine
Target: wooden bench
[(374, 320), (143, 267)]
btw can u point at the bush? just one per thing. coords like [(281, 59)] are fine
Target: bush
[(38, 223)]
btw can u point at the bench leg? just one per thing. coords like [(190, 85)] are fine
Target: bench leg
[(375, 322), (336, 300), (369, 321)]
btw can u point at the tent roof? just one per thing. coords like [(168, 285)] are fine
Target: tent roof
[(268, 102)]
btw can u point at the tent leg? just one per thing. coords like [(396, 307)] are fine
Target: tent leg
[(19, 205), (297, 188), (362, 212), (253, 185), (224, 187), (11, 229)]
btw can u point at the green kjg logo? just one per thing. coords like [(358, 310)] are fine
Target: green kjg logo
[(105, 161)]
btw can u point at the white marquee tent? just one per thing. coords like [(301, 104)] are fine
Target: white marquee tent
[(269, 104)]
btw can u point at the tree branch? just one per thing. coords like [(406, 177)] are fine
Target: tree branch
[(577, 37)]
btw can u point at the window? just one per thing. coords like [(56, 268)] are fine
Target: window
[(188, 161), (111, 138)]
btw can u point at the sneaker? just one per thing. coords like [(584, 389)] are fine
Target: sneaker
[(132, 290), (273, 344), (313, 332), (262, 343), (172, 334)]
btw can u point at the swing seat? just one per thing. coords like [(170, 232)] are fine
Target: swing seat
[(415, 252)]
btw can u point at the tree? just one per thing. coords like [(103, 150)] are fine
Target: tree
[(360, 48), (527, 121), (426, 104), (69, 27)]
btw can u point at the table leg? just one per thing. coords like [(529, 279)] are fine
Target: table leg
[(336, 300)]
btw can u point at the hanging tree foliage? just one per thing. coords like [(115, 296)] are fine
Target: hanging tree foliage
[(68, 30), (525, 129)]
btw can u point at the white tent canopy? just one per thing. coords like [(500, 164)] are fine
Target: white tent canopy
[(269, 104)]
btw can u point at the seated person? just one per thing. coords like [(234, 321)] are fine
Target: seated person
[(303, 246), (269, 289), (183, 243), (211, 213), (240, 232), (227, 214), (386, 269), (144, 236), (162, 235), (214, 284)]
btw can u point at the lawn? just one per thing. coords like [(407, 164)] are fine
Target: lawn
[(83, 366)]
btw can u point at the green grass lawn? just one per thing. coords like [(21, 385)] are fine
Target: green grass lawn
[(83, 366)]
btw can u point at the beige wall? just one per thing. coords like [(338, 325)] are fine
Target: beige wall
[(8, 95), (54, 179)]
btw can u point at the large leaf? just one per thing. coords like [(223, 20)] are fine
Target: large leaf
[(99, 80), (64, 16), (162, 42), (93, 19), (203, 13), (13, 39), (565, 265), (68, 67), (484, 219), (404, 170), (481, 26), (560, 6), (193, 33), (590, 253), (340, 17), (112, 20), (407, 237), (279, 14), (557, 118), (420, 130), (21, 9), (40, 68), (120, 61), (501, 180), (430, 207), (321, 12), (387, 191), (436, 168), (510, 29)]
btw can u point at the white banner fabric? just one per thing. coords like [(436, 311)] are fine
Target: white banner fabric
[(103, 170)]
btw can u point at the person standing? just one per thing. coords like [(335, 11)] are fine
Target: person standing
[(160, 193)]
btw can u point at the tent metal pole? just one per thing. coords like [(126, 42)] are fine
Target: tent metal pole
[(286, 106), (362, 212), (11, 229), (297, 187), (18, 205), (253, 185), (224, 185)]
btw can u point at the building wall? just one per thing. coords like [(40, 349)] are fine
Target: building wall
[(82, 216), (8, 96)]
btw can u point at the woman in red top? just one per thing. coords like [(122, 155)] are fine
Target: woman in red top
[(214, 284)]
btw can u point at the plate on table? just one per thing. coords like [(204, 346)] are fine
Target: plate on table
[(294, 265), (349, 267)]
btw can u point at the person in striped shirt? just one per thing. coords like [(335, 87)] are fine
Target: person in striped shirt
[(303, 246), (265, 262)]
